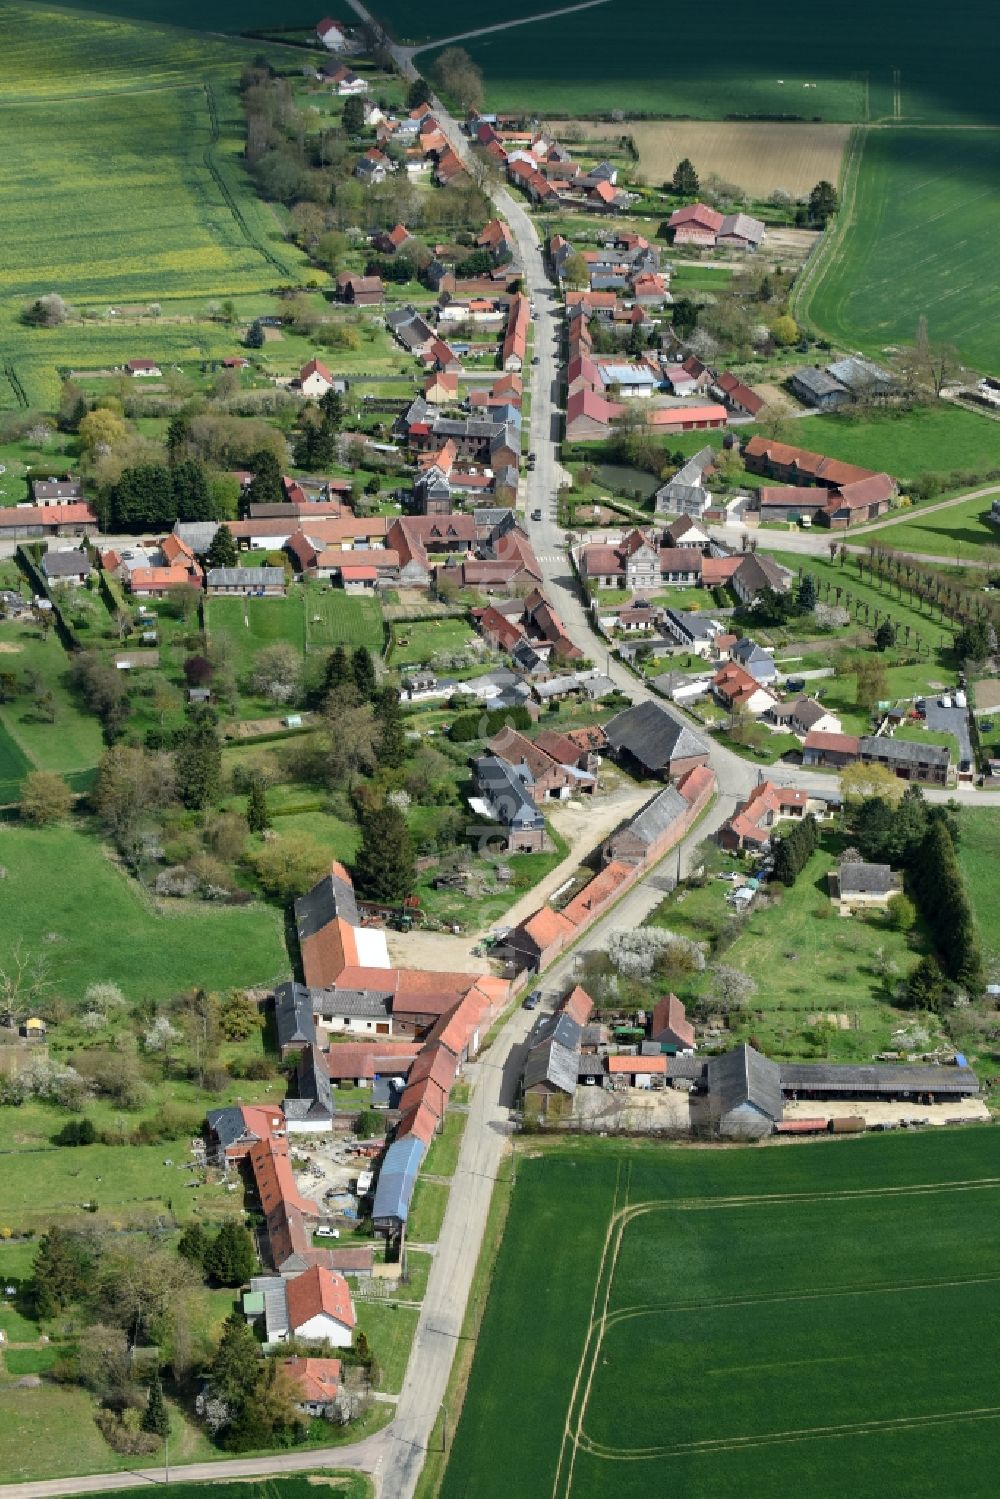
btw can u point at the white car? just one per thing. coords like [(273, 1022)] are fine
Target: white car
[(960, 700), (325, 1232)]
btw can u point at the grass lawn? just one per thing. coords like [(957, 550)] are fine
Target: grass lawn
[(937, 439), (73, 741), (962, 531), (18, 1361), (418, 1268), (427, 1210), (389, 1330), (66, 899), (424, 638), (816, 1255), (906, 610), (158, 194), (251, 624), (336, 618), (442, 1158), (979, 856), (50, 1432), (923, 224), (804, 959)]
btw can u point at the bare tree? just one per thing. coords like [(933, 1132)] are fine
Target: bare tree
[(24, 981)]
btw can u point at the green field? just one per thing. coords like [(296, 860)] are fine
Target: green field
[(14, 766), (424, 638), (979, 856), (747, 1321), (308, 617), (129, 141), (961, 531), (928, 439), (66, 900), (641, 56), (920, 241)]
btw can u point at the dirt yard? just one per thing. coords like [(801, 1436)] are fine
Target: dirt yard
[(760, 157), (584, 822), (966, 1110)]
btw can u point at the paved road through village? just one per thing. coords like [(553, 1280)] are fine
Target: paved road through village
[(395, 1455)]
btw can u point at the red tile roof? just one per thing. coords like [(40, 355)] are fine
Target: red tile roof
[(669, 1013), (844, 744), (318, 1292), (619, 1065), (313, 1380)]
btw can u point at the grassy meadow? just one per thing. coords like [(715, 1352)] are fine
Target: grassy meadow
[(961, 531), (920, 241), (125, 188), (828, 1261), (979, 855), (308, 618), (938, 438), (65, 899)]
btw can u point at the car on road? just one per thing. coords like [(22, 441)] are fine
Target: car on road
[(536, 360), (533, 1000), (536, 514)]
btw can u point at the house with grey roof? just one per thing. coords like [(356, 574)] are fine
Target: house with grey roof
[(695, 632), (649, 830), (862, 377), (313, 1109), (655, 741), (356, 1012), (907, 758), (744, 1093), (819, 388), (687, 492), (754, 659), (197, 534), (503, 796), (757, 572), (257, 581), (857, 884), (293, 1018), (72, 566), (552, 1067)]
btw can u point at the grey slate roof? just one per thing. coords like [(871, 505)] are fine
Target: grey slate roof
[(865, 879), (293, 1015), (756, 572), (693, 626), (744, 1076), (859, 374), (860, 1081), (653, 736), (503, 788), (246, 577), (329, 898), (554, 1064), (817, 383), (226, 1125), (197, 534), (904, 751), (356, 1004), (315, 1100), (655, 818), (65, 564)]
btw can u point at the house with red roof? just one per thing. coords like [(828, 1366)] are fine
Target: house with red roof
[(314, 1383), (737, 690), (669, 1026), (695, 224), (751, 825), (315, 379), (331, 34), (320, 1309)]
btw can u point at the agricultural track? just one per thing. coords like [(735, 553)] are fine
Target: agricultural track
[(575, 1439), (227, 197), (11, 376)]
